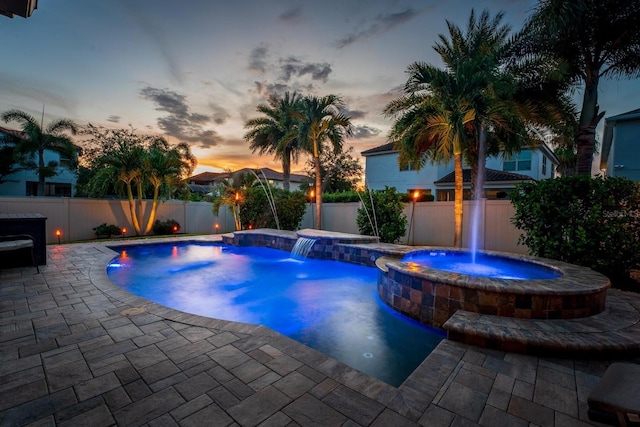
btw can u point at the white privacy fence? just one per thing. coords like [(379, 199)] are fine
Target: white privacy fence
[(428, 223)]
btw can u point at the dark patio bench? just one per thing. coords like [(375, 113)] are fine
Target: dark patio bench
[(19, 242), (616, 398)]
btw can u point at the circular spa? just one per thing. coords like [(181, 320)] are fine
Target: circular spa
[(430, 285)]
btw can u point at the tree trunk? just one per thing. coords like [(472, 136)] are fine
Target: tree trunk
[(286, 169), (457, 210), (154, 208), (138, 202), (316, 161), (41, 172), (132, 210), (478, 188), (586, 133)]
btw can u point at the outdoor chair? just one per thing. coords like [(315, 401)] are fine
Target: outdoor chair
[(616, 398), (19, 243)]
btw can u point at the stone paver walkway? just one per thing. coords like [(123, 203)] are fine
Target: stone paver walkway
[(77, 350)]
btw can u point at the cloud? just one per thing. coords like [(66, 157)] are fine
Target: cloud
[(39, 92), (258, 58), (157, 34), (355, 114), (180, 122), (381, 24), (365, 131), (113, 119), (220, 114), (293, 66), (291, 15)]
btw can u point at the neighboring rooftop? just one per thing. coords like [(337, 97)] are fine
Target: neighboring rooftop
[(607, 139), (491, 175), (22, 8)]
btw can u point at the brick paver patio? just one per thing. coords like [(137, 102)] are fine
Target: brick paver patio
[(77, 350)]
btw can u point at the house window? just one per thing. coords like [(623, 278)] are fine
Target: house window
[(406, 167), (50, 189), (66, 162), (544, 165), (520, 162)]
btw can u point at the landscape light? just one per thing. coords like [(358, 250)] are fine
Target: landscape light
[(58, 234)]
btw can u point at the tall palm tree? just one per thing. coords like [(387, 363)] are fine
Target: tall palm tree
[(432, 122), (513, 96), (482, 96), (275, 133), (38, 139), (598, 39), (321, 121)]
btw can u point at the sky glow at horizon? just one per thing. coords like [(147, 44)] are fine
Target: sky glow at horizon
[(195, 72)]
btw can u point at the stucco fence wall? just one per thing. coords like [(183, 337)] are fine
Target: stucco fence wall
[(428, 223)]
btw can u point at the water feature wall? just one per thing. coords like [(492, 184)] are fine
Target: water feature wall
[(302, 247), (328, 245)]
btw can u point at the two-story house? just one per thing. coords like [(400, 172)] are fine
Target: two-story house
[(502, 173), (25, 182), (620, 155)]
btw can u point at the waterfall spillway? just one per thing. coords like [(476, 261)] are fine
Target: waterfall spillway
[(302, 247)]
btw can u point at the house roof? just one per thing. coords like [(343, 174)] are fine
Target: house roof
[(270, 174), (22, 8), (491, 175), (13, 132), (206, 176), (607, 139), (23, 135), (380, 149), (388, 148)]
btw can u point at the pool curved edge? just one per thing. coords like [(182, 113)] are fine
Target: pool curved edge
[(432, 296), (324, 364)]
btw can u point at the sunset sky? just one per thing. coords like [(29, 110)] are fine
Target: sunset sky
[(195, 70)]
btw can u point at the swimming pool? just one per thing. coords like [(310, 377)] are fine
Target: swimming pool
[(330, 306)]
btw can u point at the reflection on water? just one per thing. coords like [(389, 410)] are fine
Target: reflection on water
[(328, 305), (484, 265)]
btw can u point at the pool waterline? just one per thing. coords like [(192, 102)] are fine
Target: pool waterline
[(358, 331)]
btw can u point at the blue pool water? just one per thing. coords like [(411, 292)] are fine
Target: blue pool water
[(328, 305), (483, 265)]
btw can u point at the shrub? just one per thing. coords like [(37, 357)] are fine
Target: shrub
[(340, 197), (593, 222), (255, 210), (107, 230), (389, 216), (170, 226)]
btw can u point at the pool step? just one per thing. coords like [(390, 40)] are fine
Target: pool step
[(613, 333)]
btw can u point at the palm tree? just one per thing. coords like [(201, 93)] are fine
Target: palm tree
[(275, 132), (482, 96), (320, 121), (597, 39), (166, 168), (232, 194), (513, 96), (135, 164), (38, 139), (432, 122)]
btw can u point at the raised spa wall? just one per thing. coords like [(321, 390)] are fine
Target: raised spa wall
[(432, 296)]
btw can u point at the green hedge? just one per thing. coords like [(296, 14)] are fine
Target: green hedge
[(593, 222), (256, 211)]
